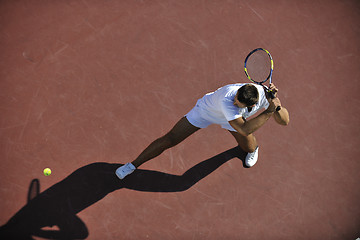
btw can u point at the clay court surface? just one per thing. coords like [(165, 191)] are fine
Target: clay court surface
[(86, 85)]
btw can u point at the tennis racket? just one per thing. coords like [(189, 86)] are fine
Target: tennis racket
[(259, 67)]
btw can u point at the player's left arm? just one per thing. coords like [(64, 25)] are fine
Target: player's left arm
[(281, 116)]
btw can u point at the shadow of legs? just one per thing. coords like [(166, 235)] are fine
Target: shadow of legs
[(59, 204), (152, 181)]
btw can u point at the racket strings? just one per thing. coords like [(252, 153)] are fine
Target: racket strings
[(258, 66)]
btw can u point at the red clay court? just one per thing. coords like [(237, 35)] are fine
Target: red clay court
[(87, 85)]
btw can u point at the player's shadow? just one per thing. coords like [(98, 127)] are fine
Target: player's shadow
[(58, 205)]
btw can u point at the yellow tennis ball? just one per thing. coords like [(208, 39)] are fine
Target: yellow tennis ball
[(47, 171)]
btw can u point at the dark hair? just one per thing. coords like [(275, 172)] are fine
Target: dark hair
[(248, 94)]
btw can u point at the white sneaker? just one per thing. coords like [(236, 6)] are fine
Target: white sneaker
[(251, 158), (125, 170)]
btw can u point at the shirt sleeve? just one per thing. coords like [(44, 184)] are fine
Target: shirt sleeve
[(231, 111), (265, 104)]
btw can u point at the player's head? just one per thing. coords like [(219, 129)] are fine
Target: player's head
[(247, 95)]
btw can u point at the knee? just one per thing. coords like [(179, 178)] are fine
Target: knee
[(249, 148)]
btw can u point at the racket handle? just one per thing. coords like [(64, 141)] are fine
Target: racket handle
[(272, 95)]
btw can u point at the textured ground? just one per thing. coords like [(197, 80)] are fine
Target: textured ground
[(96, 81)]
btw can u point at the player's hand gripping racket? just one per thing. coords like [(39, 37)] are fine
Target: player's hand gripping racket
[(259, 66)]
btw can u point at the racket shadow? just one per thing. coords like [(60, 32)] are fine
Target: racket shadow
[(59, 204)]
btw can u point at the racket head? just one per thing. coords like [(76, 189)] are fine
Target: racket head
[(259, 66)]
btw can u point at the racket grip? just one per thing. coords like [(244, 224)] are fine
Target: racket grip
[(272, 95)]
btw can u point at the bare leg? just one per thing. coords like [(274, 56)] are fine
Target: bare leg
[(248, 144), (182, 129)]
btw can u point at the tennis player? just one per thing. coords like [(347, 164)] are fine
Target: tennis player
[(230, 106)]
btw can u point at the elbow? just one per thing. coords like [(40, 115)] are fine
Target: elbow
[(285, 122), (282, 120), (285, 119)]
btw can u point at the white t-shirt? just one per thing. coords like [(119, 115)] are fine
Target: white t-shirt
[(218, 107)]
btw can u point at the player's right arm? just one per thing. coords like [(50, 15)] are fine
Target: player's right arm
[(246, 128)]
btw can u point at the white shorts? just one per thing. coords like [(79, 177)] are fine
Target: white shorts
[(197, 117)]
